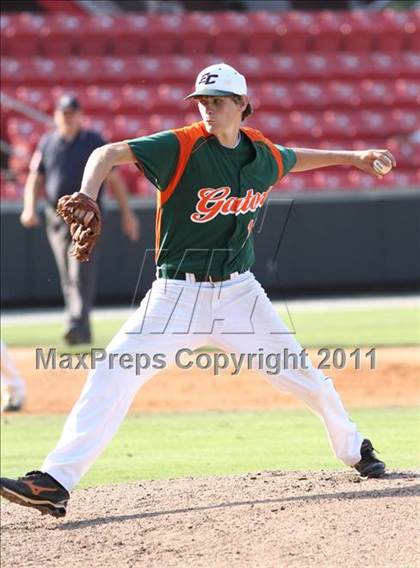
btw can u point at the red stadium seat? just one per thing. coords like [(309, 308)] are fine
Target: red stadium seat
[(169, 98), (406, 92), (160, 122), (179, 69), (263, 36), (402, 179), (130, 35), (351, 66), (297, 183), (360, 31), (8, 20), (273, 96), (20, 36), (375, 123), (326, 31), (384, 65), (100, 100), (397, 28), (274, 126), (305, 124), (38, 98), (199, 30), (127, 127), (338, 124), (377, 93), (60, 34), (100, 31), (24, 129), (136, 99), (295, 31), (143, 70), (404, 122), (230, 32), (360, 180), (16, 71), (164, 32), (330, 180), (15, 44), (268, 68), (409, 65), (118, 70), (254, 68), (406, 152), (40, 71), (343, 94), (316, 66), (310, 95)]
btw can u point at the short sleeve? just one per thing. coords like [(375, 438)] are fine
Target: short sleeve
[(157, 156), (289, 157)]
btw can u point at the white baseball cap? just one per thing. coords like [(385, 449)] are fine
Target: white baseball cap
[(219, 80)]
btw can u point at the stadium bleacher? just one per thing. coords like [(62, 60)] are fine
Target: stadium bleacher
[(321, 79)]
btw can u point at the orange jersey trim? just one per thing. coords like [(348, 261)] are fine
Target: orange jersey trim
[(257, 136), (187, 137)]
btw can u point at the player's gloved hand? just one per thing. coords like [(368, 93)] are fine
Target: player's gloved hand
[(366, 160), (83, 216)]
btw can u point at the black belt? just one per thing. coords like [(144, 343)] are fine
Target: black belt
[(178, 275)]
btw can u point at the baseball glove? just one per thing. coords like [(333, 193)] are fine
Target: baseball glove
[(83, 216)]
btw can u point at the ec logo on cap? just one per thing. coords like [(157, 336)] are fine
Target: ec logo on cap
[(207, 79)]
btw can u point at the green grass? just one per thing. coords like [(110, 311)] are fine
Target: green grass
[(341, 328), (371, 327), (164, 446)]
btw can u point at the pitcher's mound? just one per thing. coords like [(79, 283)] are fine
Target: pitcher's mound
[(268, 519)]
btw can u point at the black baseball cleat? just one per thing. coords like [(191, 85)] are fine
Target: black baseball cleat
[(369, 465), (37, 490)]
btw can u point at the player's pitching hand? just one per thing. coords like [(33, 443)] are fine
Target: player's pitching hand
[(375, 162)]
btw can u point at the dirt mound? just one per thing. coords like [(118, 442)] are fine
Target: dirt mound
[(267, 519)]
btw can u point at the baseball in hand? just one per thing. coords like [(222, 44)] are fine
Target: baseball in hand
[(382, 165)]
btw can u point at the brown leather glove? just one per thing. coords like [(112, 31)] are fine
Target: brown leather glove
[(83, 216)]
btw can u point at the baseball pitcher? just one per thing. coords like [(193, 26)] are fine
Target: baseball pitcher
[(212, 178)]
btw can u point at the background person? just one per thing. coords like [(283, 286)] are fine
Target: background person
[(13, 390), (58, 164)]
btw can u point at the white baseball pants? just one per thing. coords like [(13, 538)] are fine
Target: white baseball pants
[(235, 315)]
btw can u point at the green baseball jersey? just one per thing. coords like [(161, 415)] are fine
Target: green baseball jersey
[(209, 196)]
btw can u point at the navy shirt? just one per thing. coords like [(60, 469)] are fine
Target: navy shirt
[(62, 162)]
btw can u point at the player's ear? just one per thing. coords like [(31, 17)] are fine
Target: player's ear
[(244, 103)]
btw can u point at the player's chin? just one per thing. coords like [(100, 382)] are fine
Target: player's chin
[(211, 126)]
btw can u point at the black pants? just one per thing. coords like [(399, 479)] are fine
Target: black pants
[(78, 279)]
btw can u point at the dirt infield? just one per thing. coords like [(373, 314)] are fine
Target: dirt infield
[(394, 382), (269, 519)]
